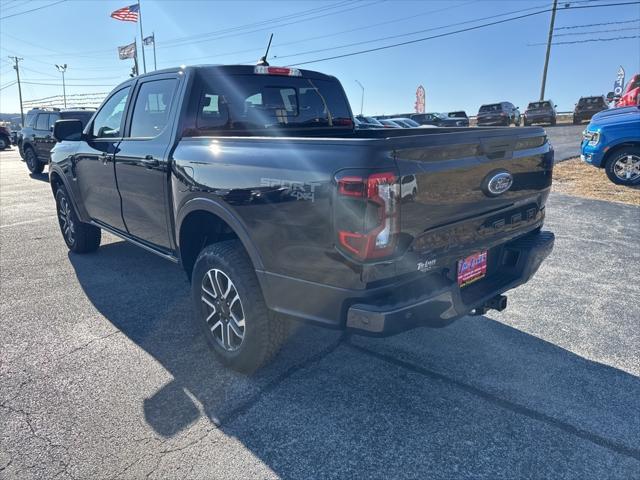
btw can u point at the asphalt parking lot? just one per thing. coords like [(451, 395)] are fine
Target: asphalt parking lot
[(565, 140), (103, 375)]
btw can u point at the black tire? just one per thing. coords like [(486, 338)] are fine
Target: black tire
[(80, 237), (526, 124), (34, 165), (553, 122), (262, 332), (4, 142), (623, 155), (576, 121)]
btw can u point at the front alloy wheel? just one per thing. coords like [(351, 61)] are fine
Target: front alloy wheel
[(624, 168), (66, 221), (225, 315)]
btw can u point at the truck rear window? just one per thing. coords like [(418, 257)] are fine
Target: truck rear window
[(233, 104), (536, 105), (496, 107), (591, 101)]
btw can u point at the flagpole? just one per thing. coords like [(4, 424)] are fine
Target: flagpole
[(144, 63), (153, 35), (135, 58)]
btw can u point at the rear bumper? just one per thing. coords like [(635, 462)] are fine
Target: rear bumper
[(418, 299), (539, 118), (493, 121), (519, 260)]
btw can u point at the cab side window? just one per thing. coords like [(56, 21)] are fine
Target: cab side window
[(109, 120), (42, 122), (151, 110)]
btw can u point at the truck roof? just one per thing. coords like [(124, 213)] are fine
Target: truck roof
[(230, 70)]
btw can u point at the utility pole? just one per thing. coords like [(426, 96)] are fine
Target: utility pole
[(361, 97), (17, 69), (63, 68), (549, 39)]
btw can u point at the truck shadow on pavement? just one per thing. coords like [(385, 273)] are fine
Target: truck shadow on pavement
[(478, 398)]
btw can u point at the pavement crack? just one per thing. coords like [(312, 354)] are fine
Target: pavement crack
[(612, 445)]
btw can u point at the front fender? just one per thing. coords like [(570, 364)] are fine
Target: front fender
[(221, 210)]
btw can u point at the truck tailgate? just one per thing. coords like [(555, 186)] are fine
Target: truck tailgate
[(446, 203)]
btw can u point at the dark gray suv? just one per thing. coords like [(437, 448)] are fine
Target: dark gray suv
[(36, 139), (540, 112)]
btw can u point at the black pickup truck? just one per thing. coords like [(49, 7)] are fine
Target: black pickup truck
[(255, 180)]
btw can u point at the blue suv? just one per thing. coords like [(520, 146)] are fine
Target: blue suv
[(612, 141)]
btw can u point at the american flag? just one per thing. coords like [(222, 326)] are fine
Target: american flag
[(127, 14)]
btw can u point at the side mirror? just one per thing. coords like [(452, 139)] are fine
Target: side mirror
[(69, 130)]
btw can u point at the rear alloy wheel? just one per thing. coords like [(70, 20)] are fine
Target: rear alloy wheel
[(225, 315), (80, 237), (623, 168), (33, 164), (230, 309)]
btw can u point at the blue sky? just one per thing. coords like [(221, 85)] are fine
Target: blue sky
[(460, 71)]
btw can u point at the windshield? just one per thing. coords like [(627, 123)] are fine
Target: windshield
[(494, 107)]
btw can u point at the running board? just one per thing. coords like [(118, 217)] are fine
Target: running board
[(124, 236)]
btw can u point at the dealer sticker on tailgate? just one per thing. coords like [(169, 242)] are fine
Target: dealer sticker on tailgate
[(472, 268)]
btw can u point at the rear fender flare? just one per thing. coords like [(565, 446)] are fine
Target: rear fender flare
[(224, 213)]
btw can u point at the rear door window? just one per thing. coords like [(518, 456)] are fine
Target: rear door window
[(151, 110), (53, 118), (42, 122)]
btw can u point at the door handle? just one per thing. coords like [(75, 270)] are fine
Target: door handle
[(149, 161)]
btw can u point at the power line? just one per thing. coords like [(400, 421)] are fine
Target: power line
[(32, 10), (294, 22), (597, 24), (587, 40), (7, 85), (333, 34), (72, 85), (408, 34), (455, 32), (596, 31)]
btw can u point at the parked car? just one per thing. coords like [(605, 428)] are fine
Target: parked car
[(5, 137), (406, 122), (631, 94), (372, 122), (587, 107), (437, 120), (388, 123), (36, 139), (462, 117), (540, 112), (503, 113), (256, 182), (612, 141)]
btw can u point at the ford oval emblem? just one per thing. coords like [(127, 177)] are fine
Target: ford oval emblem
[(497, 182)]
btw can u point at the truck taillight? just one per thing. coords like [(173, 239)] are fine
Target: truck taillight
[(367, 222)]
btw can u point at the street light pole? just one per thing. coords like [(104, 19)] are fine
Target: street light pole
[(361, 98), (63, 68)]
